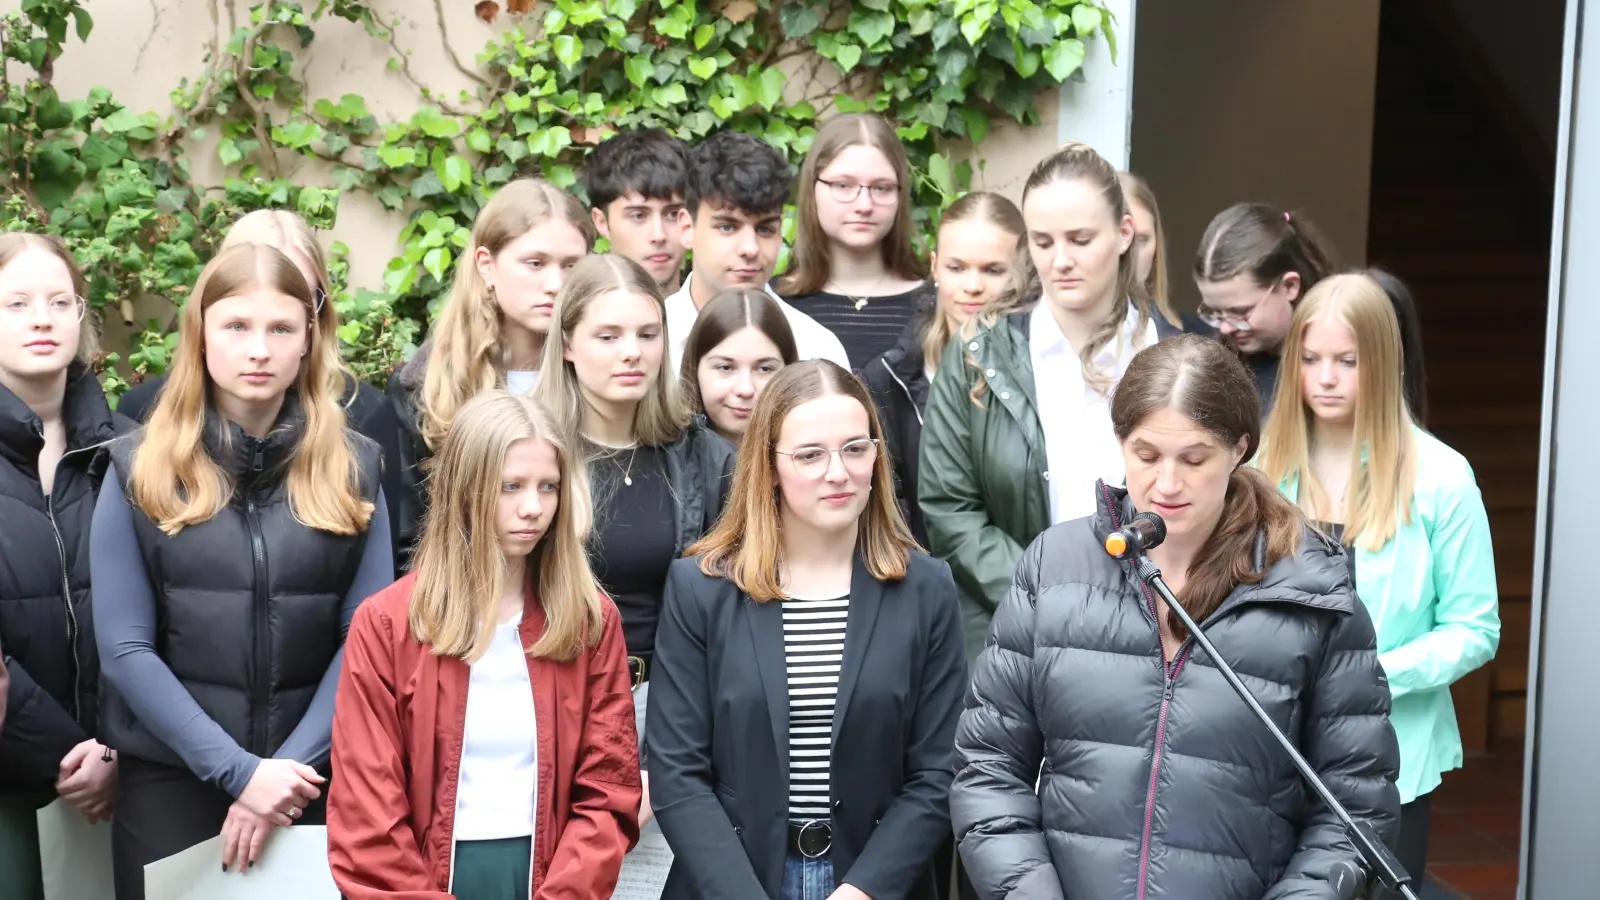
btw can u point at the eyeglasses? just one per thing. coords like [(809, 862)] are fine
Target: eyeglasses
[(812, 462), (1238, 320), (61, 306), (882, 193)]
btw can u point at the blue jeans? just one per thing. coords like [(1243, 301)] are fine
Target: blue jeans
[(806, 879)]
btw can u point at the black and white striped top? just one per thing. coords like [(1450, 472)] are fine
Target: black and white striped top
[(813, 649)]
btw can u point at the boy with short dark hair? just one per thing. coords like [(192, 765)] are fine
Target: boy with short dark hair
[(635, 180), (733, 221)]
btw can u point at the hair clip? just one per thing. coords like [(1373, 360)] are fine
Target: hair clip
[(1286, 216)]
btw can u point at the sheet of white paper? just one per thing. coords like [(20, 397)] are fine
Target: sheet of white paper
[(75, 856), (293, 864), (644, 870)]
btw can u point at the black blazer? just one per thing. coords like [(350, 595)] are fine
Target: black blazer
[(718, 730)]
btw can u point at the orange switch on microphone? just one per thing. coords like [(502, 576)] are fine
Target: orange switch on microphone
[(1116, 544)]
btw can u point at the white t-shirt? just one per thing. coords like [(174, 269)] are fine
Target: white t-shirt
[(811, 339), (1080, 446), (499, 754), (522, 382)]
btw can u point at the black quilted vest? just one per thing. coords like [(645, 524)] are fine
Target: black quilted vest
[(248, 602)]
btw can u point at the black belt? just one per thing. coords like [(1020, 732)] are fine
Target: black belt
[(811, 839), (639, 671)]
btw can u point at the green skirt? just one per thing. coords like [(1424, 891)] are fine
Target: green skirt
[(492, 870)]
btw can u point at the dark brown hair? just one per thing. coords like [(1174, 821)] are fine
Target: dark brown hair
[(1265, 243), (746, 545), (1079, 162), (725, 314), (1138, 192), (1203, 380), (809, 266)]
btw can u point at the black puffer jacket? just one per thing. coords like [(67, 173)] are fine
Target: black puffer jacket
[(409, 497), (45, 626), (249, 601), (1157, 782), (898, 384)]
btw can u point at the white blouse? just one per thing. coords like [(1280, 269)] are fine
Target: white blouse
[(499, 779)]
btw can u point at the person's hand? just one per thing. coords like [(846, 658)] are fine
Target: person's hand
[(280, 789), (87, 781), (848, 892), (645, 812), (243, 835)]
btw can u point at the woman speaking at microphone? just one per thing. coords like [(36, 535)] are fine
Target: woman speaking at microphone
[(1157, 781)]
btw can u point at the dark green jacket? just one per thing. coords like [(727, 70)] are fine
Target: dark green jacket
[(981, 481)]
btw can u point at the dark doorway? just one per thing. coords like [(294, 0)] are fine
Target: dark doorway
[(1462, 173)]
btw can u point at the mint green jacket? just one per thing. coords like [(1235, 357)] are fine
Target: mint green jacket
[(1433, 597)]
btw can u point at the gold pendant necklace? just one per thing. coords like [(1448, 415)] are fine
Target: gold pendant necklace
[(627, 474)]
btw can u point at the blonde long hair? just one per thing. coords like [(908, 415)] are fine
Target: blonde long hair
[(746, 545), (174, 479), (995, 211), (1383, 455), (460, 568), (284, 231), (466, 356), (1157, 289), (663, 414)]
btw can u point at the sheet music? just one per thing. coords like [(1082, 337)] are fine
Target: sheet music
[(294, 863), (644, 869)]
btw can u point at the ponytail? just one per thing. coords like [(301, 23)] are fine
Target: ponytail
[(1253, 509)]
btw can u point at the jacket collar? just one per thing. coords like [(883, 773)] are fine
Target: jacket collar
[(85, 413), (1315, 575), (247, 458)]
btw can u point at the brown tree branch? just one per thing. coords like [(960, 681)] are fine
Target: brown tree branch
[(242, 67), (444, 37)]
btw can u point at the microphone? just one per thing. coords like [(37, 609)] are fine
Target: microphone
[(1348, 880), (1143, 532)]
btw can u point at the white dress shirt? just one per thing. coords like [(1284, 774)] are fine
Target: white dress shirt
[(1080, 446), (499, 774), (811, 339)]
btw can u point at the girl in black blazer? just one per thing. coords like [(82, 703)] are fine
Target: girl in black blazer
[(809, 670)]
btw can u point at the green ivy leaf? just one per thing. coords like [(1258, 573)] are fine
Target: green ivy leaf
[(622, 9), (550, 142), (229, 152), (798, 21), (480, 140), (454, 172), (939, 174), (396, 157), (561, 175), (768, 87), (671, 95), (99, 152), (870, 26), (568, 49), (847, 57), (976, 122), (703, 68), (435, 124), (516, 103), (639, 69), (1065, 58), (436, 261), (703, 36), (1086, 19), (297, 133)]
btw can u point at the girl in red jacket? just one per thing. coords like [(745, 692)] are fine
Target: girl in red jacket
[(483, 742)]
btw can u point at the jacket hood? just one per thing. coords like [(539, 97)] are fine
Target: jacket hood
[(88, 418), (1315, 575)]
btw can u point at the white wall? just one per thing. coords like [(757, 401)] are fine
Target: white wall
[(1098, 108), (1255, 100)]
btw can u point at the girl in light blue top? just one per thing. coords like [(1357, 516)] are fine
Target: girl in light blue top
[(1342, 443)]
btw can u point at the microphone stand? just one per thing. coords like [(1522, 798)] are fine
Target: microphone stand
[(1386, 870)]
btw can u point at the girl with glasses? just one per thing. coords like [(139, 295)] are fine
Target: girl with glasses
[(853, 269), (54, 427), (1342, 444), (366, 409), (241, 528), (484, 745), (1254, 263), (810, 670), (660, 475)]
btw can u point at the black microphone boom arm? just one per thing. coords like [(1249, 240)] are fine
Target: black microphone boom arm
[(1385, 870)]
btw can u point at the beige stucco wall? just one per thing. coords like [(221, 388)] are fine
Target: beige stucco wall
[(142, 49)]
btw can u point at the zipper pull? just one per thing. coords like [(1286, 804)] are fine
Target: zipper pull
[(256, 461)]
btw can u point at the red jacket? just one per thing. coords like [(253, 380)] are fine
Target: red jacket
[(398, 728)]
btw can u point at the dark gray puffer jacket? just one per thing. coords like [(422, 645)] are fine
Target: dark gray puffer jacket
[(1157, 782)]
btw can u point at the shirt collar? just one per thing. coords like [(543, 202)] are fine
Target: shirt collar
[(1047, 341)]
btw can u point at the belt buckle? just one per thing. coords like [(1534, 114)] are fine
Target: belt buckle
[(824, 829), (636, 672)]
